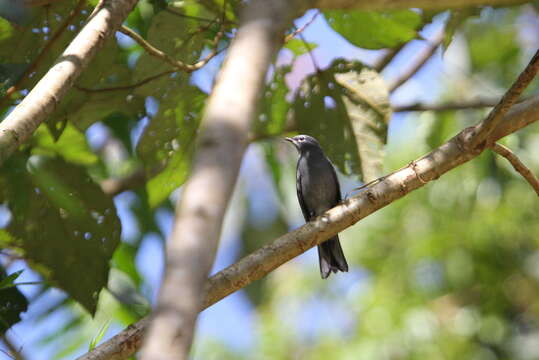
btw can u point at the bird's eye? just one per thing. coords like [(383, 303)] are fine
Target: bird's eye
[(301, 138)]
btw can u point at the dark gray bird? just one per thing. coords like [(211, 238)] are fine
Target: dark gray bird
[(318, 191)]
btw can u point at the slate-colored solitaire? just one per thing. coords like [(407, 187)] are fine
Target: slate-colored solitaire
[(318, 191)]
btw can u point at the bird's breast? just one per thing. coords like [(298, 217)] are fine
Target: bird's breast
[(318, 184)]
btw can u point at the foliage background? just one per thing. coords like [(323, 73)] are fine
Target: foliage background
[(450, 271)]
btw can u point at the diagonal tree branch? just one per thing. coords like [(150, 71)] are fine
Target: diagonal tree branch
[(391, 188), (20, 124), (221, 144), (32, 66), (418, 63), (483, 129), (517, 165)]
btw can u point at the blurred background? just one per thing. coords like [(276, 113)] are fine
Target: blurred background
[(450, 271)]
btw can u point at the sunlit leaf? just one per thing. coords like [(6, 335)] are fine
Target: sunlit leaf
[(274, 110), (298, 47), (71, 145), (179, 37), (375, 30), (63, 222), (169, 139), (9, 280)]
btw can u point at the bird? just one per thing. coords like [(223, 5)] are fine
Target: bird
[(318, 190)]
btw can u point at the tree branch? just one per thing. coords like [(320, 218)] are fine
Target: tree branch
[(161, 55), (264, 260), (419, 61), (13, 352), (114, 187), (477, 104), (30, 68), (221, 144), (20, 124), (517, 165), (126, 87), (483, 129), (385, 59)]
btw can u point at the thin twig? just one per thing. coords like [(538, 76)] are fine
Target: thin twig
[(114, 187), (385, 59), (478, 104), (19, 125), (301, 29), (177, 64), (45, 51), (484, 128), (125, 87), (420, 60), (518, 165), (224, 20), (450, 106), (191, 17), (12, 352)]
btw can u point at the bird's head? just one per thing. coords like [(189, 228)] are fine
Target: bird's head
[(304, 142)]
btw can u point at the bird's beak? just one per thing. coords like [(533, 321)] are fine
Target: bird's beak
[(292, 141), (289, 139)]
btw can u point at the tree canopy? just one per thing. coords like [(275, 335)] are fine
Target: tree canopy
[(90, 182)]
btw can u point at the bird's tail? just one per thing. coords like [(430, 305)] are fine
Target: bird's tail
[(331, 257)]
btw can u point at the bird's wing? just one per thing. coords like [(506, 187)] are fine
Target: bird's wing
[(302, 204)]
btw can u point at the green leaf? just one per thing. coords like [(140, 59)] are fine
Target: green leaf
[(63, 222), (178, 37), (298, 47), (71, 145), (274, 109), (29, 40), (9, 280), (97, 338), (346, 107), (456, 19), (12, 301), (124, 260), (168, 141), (375, 30)]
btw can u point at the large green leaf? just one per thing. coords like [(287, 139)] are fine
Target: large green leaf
[(274, 109), (71, 145), (168, 141), (375, 30), (179, 37), (108, 70), (65, 225), (346, 107), (30, 38)]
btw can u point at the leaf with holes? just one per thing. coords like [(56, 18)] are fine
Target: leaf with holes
[(273, 114), (168, 141), (180, 38), (346, 107), (64, 224)]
